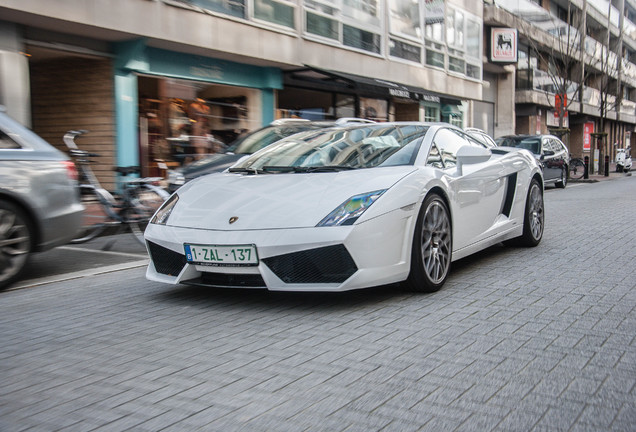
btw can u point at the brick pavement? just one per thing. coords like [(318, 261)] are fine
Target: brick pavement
[(540, 339)]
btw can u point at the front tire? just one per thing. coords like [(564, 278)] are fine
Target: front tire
[(16, 242), (431, 252)]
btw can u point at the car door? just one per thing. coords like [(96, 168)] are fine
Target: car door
[(476, 195), (549, 159)]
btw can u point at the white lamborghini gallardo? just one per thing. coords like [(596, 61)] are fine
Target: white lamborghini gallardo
[(348, 208)]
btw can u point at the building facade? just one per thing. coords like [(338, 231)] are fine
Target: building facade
[(575, 74), (159, 81)]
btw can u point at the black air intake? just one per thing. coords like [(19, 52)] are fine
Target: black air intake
[(166, 261), (331, 264)]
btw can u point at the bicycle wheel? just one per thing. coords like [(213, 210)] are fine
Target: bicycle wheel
[(95, 218), (146, 199), (576, 169)]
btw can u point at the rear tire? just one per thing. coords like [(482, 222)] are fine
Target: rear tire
[(533, 220), (431, 251), (564, 179), (16, 242)]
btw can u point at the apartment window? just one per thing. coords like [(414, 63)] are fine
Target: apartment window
[(405, 50), (323, 26), (230, 7), (277, 12), (342, 21), (358, 38), (434, 58), (404, 18)]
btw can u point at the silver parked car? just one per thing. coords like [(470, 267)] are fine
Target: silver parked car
[(39, 200)]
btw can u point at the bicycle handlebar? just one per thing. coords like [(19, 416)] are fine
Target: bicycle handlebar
[(69, 138)]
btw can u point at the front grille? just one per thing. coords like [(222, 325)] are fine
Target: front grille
[(166, 261), (225, 280), (330, 264)]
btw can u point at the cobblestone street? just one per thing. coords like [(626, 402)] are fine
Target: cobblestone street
[(540, 339)]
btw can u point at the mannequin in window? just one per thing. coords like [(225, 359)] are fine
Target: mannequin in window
[(199, 115)]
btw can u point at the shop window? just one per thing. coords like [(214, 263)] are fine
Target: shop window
[(374, 109), (357, 38), (405, 51), (275, 12), (345, 106), (431, 114), (181, 121)]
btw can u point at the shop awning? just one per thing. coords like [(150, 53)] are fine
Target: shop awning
[(325, 79)]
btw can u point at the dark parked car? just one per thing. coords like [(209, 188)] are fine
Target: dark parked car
[(248, 144), (39, 198), (552, 154)]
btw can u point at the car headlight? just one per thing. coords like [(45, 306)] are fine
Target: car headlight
[(349, 211), (162, 215)]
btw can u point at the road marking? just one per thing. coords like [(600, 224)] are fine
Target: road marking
[(80, 274), (112, 253)]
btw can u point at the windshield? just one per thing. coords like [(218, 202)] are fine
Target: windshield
[(529, 143), (339, 149), (254, 141)]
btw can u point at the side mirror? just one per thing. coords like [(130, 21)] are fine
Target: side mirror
[(548, 153), (467, 155)]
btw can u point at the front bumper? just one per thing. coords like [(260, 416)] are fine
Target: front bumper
[(372, 253)]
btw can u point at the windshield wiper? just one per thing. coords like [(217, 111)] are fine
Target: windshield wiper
[(325, 168), (245, 170)]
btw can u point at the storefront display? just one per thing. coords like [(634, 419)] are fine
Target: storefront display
[(181, 121)]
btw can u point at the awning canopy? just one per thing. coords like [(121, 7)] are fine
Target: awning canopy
[(324, 79)]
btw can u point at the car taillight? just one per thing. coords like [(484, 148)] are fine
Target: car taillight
[(71, 170)]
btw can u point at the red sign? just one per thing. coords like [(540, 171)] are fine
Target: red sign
[(588, 129), (560, 102)]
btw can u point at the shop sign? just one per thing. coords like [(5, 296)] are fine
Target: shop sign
[(503, 45), (588, 130)]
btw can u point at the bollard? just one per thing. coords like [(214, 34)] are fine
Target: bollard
[(606, 165), (586, 172)]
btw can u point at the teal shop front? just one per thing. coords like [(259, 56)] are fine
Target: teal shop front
[(174, 108)]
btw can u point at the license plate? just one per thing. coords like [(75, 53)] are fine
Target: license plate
[(221, 255)]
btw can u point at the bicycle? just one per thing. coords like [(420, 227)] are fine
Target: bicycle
[(131, 208), (576, 169)]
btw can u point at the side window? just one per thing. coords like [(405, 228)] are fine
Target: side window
[(449, 142), (7, 143), (434, 158)]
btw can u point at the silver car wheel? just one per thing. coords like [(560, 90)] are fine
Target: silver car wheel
[(535, 211), (15, 243), (436, 242)]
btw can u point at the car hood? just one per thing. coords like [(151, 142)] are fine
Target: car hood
[(271, 201), (211, 164)]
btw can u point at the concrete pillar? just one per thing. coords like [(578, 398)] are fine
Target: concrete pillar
[(505, 103), (15, 93)]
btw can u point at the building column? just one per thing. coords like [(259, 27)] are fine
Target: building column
[(126, 115), (505, 103), (15, 91)]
